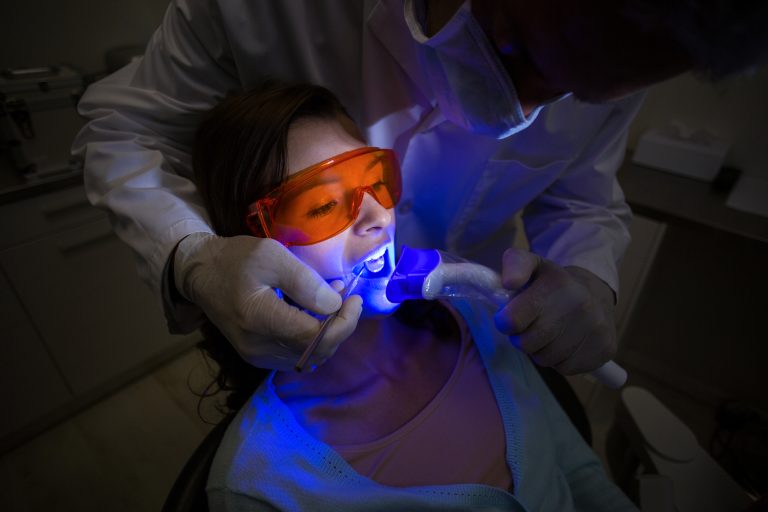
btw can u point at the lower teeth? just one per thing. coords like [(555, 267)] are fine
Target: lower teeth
[(374, 265)]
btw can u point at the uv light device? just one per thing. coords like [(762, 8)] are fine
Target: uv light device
[(431, 274)]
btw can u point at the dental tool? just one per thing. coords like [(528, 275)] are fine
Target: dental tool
[(430, 274), (326, 323)]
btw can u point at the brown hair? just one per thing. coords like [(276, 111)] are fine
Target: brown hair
[(240, 147), (239, 156)]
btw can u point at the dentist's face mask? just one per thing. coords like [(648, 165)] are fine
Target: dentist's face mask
[(473, 89)]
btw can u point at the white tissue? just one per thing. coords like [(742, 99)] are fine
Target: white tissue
[(679, 149)]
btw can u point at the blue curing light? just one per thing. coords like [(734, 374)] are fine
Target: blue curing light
[(412, 269)]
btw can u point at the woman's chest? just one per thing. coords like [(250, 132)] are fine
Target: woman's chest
[(353, 406)]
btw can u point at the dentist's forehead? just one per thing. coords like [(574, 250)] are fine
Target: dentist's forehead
[(312, 140)]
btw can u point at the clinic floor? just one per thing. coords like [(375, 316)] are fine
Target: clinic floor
[(124, 452), (121, 454)]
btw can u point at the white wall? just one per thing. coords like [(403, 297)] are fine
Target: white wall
[(735, 109)]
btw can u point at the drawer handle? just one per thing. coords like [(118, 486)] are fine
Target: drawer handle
[(100, 234)]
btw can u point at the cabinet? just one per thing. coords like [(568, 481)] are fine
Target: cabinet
[(698, 326), (28, 374), (77, 322)]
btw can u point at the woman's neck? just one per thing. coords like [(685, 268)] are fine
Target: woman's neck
[(379, 379), (380, 349), (374, 348)]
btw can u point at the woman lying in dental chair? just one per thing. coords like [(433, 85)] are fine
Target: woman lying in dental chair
[(425, 406)]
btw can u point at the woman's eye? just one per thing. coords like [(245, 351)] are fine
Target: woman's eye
[(322, 210)]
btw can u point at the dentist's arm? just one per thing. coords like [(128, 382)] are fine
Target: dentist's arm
[(138, 167), (561, 317), (578, 233), (137, 143)]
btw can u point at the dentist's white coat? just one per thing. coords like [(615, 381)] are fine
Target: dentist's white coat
[(461, 190)]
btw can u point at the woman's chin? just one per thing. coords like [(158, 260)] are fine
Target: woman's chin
[(378, 310), (375, 302)]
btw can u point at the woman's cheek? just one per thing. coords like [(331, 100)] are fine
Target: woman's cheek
[(325, 257)]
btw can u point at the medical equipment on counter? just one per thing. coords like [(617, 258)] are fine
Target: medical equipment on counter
[(430, 274), (39, 119), (346, 292)]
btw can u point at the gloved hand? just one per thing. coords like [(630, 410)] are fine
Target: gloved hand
[(561, 317), (232, 280)]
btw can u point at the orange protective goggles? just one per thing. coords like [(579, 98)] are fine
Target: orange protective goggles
[(324, 199)]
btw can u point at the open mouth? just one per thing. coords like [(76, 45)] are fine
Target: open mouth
[(377, 265)]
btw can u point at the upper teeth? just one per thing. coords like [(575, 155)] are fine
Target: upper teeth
[(378, 254)]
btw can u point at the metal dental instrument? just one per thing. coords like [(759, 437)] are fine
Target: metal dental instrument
[(324, 326)]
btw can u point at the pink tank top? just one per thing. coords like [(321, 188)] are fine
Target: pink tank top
[(457, 438)]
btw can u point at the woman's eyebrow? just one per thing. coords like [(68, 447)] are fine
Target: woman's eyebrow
[(315, 184)]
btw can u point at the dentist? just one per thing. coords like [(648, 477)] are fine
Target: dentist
[(494, 108)]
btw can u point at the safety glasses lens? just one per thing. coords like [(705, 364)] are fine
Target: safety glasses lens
[(322, 201)]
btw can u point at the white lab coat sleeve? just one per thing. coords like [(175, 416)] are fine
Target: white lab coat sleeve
[(137, 143), (582, 219)]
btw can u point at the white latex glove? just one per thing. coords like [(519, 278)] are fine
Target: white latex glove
[(561, 317), (232, 280)]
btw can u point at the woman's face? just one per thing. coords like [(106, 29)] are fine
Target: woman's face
[(369, 239)]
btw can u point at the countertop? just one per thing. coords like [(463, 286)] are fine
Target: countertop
[(14, 187), (664, 195)]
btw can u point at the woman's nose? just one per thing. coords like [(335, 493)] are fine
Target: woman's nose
[(372, 217)]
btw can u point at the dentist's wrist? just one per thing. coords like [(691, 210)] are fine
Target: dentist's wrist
[(184, 259)]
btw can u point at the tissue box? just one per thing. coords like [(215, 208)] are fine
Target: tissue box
[(695, 155)]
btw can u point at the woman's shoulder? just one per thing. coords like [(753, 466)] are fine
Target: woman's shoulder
[(264, 443)]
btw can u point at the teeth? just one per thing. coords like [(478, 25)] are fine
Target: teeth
[(378, 254), (375, 265), (377, 262)]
